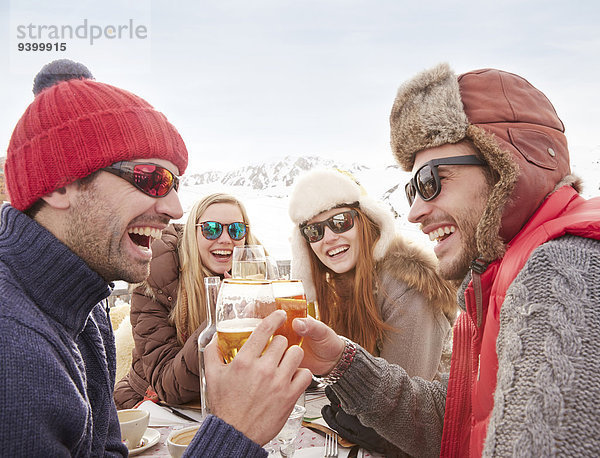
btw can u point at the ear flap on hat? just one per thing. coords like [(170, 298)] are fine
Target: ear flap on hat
[(527, 148), (300, 266), (383, 218)]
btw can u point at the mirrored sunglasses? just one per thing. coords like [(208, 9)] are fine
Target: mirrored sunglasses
[(339, 223), (212, 230), (152, 179), (426, 181)]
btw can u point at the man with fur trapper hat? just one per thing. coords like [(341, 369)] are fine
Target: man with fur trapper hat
[(491, 183)]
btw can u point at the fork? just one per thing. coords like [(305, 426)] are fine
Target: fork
[(331, 445)]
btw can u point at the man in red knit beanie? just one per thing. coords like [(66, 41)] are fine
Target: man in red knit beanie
[(92, 176), (75, 129)]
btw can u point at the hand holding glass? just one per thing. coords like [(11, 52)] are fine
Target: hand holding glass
[(241, 305)]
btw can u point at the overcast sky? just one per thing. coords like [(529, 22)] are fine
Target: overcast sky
[(245, 81)]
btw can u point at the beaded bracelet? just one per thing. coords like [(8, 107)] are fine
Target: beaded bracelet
[(342, 365)]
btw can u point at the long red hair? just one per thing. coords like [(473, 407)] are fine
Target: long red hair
[(347, 301)]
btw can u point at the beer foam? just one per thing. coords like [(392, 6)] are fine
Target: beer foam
[(238, 325)]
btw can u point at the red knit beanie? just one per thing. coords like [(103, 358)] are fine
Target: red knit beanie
[(78, 126)]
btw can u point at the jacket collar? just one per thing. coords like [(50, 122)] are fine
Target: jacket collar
[(552, 208), (556, 204), (58, 281)]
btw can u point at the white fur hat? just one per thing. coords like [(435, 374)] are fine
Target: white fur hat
[(318, 191)]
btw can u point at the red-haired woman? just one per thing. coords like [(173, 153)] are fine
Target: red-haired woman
[(370, 284)]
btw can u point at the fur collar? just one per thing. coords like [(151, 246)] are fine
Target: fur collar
[(414, 265)]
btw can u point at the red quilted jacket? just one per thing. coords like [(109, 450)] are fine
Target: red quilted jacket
[(472, 382)]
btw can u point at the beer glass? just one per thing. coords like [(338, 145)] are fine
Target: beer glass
[(241, 305), (249, 262), (289, 296)]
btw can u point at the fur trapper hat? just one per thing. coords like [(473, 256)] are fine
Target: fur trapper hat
[(512, 124), (321, 190)]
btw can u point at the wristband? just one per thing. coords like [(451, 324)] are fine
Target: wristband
[(342, 365)]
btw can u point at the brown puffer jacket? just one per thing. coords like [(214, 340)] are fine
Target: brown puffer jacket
[(159, 361)]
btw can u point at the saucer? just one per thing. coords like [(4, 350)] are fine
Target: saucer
[(149, 439)]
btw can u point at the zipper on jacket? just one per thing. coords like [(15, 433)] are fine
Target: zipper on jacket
[(478, 266)]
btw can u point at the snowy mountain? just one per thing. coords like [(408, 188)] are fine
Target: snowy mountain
[(264, 189), (273, 177)]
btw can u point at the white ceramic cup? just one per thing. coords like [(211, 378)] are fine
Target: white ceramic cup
[(179, 439), (134, 423)]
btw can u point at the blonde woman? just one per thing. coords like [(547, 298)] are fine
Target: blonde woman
[(370, 284), (168, 310)]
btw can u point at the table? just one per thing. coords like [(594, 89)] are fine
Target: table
[(307, 438), (161, 416)]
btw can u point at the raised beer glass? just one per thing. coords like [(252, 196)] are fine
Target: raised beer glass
[(241, 305), (290, 297)]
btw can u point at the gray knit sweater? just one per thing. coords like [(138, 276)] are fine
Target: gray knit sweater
[(549, 368)]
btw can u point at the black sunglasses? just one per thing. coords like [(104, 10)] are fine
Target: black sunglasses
[(212, 230), (152, 179), (426, 181), (339, 223)]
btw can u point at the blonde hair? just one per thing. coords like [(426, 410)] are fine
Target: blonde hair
[(347, 301), (190, 309)]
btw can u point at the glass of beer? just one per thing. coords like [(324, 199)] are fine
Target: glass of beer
[(249, 262), (241, 305), (289, 296)]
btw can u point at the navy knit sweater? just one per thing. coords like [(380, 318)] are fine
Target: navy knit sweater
[(57, 348)]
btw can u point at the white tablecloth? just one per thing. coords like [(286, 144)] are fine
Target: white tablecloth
[(162, 420)]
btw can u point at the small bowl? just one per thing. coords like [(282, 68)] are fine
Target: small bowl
[(179, 439)]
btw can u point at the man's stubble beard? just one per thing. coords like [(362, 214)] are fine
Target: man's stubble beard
[(457, 268), (97, 239)]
